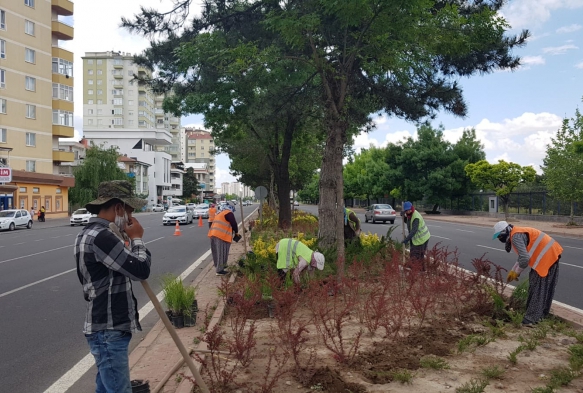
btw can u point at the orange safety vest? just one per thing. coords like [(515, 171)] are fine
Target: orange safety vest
[(542, 249), (212, 213), (221, 228)]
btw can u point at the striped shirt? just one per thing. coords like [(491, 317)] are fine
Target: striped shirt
[(105, 268)]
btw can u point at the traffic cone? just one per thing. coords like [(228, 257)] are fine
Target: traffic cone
[(177, 230), (199, 221)]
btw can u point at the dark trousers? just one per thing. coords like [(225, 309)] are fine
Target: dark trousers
[(417, 254)]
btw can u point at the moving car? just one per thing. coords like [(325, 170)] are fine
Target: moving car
[(380, 212), (296, 203), (81, 217), (158, 208), (201, 210), (177, 213), (10, 219)]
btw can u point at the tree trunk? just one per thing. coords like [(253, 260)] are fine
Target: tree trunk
[(271, 200), (572, 217), (282, 176), (331, 206)]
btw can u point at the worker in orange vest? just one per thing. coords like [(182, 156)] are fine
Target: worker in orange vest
[(542, 253), (212, 214), (221, 234)]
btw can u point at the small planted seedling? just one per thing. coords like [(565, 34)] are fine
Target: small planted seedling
[(529, 343), (471, 340), (434, 362), (473, 386), (561, 377), (403, 376), (543, 389), (576, 358), (493, 372), (512, 356), (317, 387)]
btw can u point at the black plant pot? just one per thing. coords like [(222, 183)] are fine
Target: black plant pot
[(140, 386), (178, 321), (168, 314), (190, 320), (194, 306)]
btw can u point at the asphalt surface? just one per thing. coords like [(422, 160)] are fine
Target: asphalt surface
[(42, 305), (471, 242)]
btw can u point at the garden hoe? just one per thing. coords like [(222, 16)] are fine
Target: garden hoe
[(403, 227)]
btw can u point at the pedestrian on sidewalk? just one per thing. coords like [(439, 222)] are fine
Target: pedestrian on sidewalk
[(221, 234), (105, 268), (418, 234), (351, 225), (542, 253), (296, 256), (42, 213), (212, 214)]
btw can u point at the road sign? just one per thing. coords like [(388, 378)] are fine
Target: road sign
[(5, 175), (260, 192)]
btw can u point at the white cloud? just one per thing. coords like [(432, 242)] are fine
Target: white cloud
[(579, 65), (223, 176), (533, 60), (529, 13), (363, 141), (569, 29), (559, 50)]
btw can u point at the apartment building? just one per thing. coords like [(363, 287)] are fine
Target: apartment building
[(136, 170), (36, 103), (117, 111), (199, 148)]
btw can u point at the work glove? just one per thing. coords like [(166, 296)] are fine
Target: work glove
[(512, 276)]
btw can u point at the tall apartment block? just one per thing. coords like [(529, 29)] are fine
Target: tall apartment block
[(36, 104), (117, 111), (199, 148)]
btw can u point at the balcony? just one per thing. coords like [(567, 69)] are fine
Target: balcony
[(62, 7), (63, 131), (117, 65), (63, 105), (118, 75), (61, 30), (62, 53), (118, 84), (63, 156), (62, 79)]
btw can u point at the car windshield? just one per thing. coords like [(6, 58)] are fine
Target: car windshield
[(177, 210), (7, 214), (80, 211), (203, 206), (388, 207)]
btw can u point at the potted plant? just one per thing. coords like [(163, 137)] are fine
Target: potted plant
[(174, 297), (190, 306)]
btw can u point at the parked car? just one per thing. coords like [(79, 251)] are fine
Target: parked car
[(201, 210), (380, 212), (296, 203), (158, 208), (80, 217), (11, 219), (177, 213)]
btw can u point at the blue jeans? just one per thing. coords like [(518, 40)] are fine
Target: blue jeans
[(110, 350)]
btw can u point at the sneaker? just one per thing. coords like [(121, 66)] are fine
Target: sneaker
[(527, 325), (222, 273)]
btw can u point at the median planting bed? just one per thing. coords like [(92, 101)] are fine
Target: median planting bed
[(380, 327)]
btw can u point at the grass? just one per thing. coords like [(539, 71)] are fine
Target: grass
[(561, 377), (515, 317), (544, 389), (493, 372), (473, 339), (577, 335), (576, 358), (403, 376), (528, 342), (512, 356), (497, 330), (473, 386), (433, 362)]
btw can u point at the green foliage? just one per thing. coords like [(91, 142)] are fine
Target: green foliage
[(472, 341), (190, 184), (576, 357), (512, 356), (493, 372), (473, 386), (100, 164), (519, 297), (503, 177), (563, 163), (433, 362), (178, 298), (561, 376), (402, 375), (543, 389), (310, 192)]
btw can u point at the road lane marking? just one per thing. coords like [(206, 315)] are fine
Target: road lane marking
[(568, 264), (463, 230), (152, 241), (35, 283), (78, 370), (577, 248), (39, 240), (36, 253), (491, 248), (18, 244), (441, 237)]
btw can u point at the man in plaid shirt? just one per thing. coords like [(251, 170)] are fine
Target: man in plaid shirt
[(105, 267)]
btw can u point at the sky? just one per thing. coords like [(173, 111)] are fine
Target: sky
[(515, 114)]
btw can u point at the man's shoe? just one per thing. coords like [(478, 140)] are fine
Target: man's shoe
[(222, 273)]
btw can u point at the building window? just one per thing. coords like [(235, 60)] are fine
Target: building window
[(2, 79), (117, 111), (99, 62), (130, 102), (63, 92), (29, 27), (117, 92), (117, 61), (90, 102), (31, 167), (90, 81), (90, 92), (130, 122), (130, 113), (62, 118), (2, 20), (99, 81), (3, 106), (2, 49), (29, 3), (90, 62), (30, 55), (99, 122), (99, 112), (130, 73), (99, 102), (58, 191), (30, 139), (35, 190), (90, 122), (2, 135), (99, 72), (117, 122), (30, 83), (22, 189), (89, 72), (62, 67), (89, 111), (30, 111), (99, 92), (117, 101)]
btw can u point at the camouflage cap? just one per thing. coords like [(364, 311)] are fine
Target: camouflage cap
[(116, 189)]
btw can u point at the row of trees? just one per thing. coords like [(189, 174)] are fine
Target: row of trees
[(274, 76)]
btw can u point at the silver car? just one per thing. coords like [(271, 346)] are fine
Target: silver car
[(81, 217), (380, 212), (12, 219), (180, 214), (201, 210)]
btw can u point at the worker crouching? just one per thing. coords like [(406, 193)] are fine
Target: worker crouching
[(296, 256)]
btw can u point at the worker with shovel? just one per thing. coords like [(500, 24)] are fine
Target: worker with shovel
[(105, 268)]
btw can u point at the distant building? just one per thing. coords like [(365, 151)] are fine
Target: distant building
[(137, 170), (199, 148), (177, 171), (78, 149), (225, 188)]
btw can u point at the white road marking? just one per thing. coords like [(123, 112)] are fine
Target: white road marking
[(35, 283), (568, 264), (441, 237), (576, 248), (18, 244), (36, 253), (491, 248), (78, 370), (463, 230), (39, 240), (152, 241)]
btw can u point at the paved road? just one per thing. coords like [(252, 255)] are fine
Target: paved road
[(473, 241), (41, 300)]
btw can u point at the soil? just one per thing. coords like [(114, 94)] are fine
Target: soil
[(331, 381)]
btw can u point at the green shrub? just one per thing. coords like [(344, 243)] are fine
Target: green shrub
[(473, 386), (434, 362), (493, 372)]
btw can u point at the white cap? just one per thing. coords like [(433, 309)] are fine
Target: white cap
[(499, 227), (319, 258)]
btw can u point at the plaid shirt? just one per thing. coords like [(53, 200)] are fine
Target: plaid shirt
[(105, 268)]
